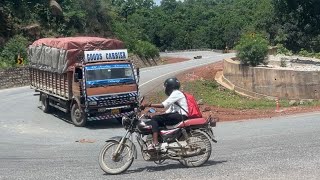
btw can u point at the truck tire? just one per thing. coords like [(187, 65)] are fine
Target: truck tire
[(77, 116), (45, 103)]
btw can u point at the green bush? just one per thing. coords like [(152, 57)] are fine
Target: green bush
[(252, 49), (283, 50), (317, 55), (305, 53), (146, 50), (283, 62), (8, 56)]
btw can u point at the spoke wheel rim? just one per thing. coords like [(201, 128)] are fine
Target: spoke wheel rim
[(119, 159)]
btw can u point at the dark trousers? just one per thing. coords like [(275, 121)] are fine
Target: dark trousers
[(166, 119)]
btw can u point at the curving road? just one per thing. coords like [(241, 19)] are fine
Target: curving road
[(34, 145)]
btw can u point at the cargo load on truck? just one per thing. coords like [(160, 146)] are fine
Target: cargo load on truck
[(89, 77), (60, 54)]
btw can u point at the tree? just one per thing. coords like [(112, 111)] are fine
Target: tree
[(300, 25), (126, 8), (16, 45)]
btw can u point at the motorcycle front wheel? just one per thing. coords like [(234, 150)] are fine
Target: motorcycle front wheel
[(197, 142), (112, 163)]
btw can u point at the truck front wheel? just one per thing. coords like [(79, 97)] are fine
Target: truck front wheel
[(77, 116)]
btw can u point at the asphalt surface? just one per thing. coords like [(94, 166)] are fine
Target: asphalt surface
[(152, 77), (35, 145)]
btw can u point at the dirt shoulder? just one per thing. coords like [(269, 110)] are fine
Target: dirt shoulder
[(170, 60), (227, 114)]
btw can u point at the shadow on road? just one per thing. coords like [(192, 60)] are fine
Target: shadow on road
[(96, 125), (168, 166), (93, 125)]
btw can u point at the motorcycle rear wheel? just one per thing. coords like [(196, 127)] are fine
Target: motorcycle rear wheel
[(114, 165), (197, 140)]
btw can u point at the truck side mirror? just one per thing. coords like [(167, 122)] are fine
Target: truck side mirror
[(76, 77), (138, 74)]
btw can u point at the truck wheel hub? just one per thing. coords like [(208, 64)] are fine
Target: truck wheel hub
[(77, 114)]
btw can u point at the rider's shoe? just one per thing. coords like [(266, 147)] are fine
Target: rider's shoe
[(153, 147), (157, 147)]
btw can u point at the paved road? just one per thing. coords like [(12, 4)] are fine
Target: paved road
[(34, 145), (152, 77)]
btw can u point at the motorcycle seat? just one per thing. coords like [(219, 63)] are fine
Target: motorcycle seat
[(189, 122)]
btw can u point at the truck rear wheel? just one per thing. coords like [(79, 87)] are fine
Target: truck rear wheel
[(77, 116), (45, 103)]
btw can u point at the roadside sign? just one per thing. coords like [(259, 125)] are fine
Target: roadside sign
[(19, 59)]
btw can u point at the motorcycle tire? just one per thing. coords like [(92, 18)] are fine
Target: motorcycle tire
[(202, 138), (107, 167)]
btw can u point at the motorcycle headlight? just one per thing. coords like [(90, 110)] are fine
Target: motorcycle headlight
[(126, 122), (93, 103)]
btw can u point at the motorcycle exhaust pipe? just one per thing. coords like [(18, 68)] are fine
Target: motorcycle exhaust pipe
[(191, 154)]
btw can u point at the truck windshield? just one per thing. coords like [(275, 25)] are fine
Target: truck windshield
[(109, 74)]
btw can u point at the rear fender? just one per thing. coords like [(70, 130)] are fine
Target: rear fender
[(207, 132), (128, 142), (210, 135)]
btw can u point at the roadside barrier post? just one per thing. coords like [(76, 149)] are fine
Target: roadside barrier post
[(278, 105)]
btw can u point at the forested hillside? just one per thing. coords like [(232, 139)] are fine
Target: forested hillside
[(147, 28)]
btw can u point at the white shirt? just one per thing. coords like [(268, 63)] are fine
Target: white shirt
[(176, 96)]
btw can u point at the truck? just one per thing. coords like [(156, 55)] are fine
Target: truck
[(90, 78)]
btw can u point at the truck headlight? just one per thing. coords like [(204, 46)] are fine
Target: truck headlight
[(93, 103)]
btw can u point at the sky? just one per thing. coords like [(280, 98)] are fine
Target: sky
[(157, 2)]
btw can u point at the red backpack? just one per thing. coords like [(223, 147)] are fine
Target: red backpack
[(193, 108)]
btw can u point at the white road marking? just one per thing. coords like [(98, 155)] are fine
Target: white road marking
[(173, 72)]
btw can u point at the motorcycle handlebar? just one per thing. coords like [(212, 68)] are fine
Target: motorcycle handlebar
[(141, 100)]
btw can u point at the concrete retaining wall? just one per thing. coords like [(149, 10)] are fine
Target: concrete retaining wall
[(14, 77), (280, 83)]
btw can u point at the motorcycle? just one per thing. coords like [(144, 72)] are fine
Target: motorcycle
[(189, 142)]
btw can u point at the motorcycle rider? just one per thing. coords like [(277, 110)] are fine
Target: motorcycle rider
[(174, 114)]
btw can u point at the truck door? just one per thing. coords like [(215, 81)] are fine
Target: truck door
[(77, 82)]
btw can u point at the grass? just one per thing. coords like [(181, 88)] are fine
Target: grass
[(213, 94), (157, 96)]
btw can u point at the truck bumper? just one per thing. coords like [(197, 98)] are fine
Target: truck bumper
[(111, 106), (108, 116)]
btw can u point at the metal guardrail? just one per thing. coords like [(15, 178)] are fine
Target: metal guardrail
[(188, 50), (204, 49)]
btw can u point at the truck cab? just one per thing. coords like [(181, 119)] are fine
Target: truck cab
[(104, 88)]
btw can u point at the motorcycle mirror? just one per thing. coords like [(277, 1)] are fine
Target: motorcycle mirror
[(151, 110)]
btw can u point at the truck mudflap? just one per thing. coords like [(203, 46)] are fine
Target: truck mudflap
[(108, 116)]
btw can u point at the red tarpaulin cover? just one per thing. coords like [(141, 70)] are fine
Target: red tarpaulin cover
[(72, 47)]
